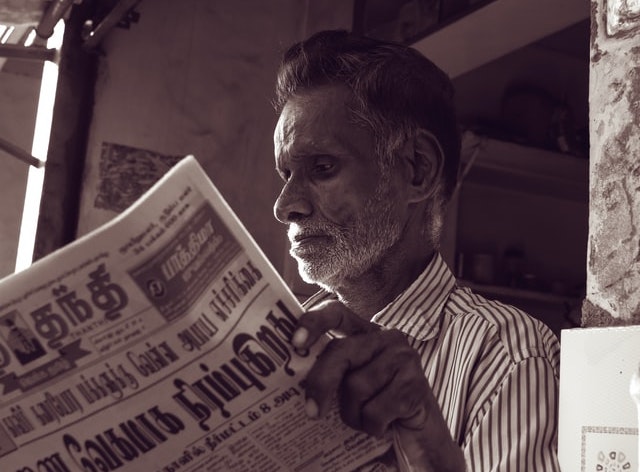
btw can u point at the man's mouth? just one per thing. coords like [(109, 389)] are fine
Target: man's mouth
[(304, 239)]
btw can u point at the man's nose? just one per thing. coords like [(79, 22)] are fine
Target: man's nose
[(293, 203)]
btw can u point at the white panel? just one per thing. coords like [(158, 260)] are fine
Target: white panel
[(598, 427)]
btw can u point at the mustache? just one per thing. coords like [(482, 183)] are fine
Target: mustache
[(297, 231)]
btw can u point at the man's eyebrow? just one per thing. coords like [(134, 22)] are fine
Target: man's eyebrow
[(298, 156)]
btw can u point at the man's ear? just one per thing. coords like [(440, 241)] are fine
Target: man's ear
[(424, 166)]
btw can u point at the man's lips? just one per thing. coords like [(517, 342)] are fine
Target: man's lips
[(302, 239)]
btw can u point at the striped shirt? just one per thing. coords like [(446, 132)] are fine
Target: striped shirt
[(493, 369)]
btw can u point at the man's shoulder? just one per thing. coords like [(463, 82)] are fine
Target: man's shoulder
[(520, 334)]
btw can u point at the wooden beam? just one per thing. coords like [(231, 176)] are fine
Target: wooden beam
[(110, 21), (34, 53), (497, 29), (19, 153), (60, 202)]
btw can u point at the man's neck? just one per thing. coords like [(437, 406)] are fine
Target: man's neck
[(372, 291)]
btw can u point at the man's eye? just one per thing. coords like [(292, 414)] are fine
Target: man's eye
[(323, 168)]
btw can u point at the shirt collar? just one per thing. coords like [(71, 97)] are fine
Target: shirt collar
[(418, 309)]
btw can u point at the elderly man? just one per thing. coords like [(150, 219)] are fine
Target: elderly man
[(367, 145)]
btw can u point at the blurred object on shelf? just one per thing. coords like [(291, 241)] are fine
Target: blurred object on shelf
[(460, 268), (531, 282), (531, 115), (482, 268), (513, 266), (559, 287)]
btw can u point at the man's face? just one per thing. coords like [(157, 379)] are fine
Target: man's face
[(341, 211)]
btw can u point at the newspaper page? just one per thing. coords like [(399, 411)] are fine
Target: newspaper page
[(161, 342)]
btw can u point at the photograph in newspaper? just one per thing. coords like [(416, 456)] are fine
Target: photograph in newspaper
[(161, 342)]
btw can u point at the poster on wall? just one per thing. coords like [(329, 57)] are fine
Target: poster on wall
[(126, 172)]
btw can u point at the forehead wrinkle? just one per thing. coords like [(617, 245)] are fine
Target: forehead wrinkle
[(294, 138), (306, 127)]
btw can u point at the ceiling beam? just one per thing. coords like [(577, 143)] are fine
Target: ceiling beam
[(496, 29)]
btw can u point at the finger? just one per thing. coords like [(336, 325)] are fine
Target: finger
[(330, 315), (382, 391), (340, 357), (403, 401)]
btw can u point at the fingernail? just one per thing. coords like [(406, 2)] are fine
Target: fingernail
[(300, 337), (311, 408)]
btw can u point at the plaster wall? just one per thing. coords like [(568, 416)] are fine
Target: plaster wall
[(196, 77), (613, 274)]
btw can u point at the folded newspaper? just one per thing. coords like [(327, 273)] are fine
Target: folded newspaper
[(161, 342)]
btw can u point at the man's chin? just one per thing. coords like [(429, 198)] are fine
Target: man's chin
[(312, 274)]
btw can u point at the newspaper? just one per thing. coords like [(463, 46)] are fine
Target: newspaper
[(161, 342)]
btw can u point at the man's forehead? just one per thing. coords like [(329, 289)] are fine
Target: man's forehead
[(296, 128), (295, 137), (310, 113)]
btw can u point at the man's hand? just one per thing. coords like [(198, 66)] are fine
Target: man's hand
[(380, 385)]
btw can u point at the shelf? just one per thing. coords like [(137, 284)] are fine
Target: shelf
[(518, 293), (504, 164)]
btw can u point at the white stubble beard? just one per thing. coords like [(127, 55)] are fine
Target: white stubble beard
[(352, 250)]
